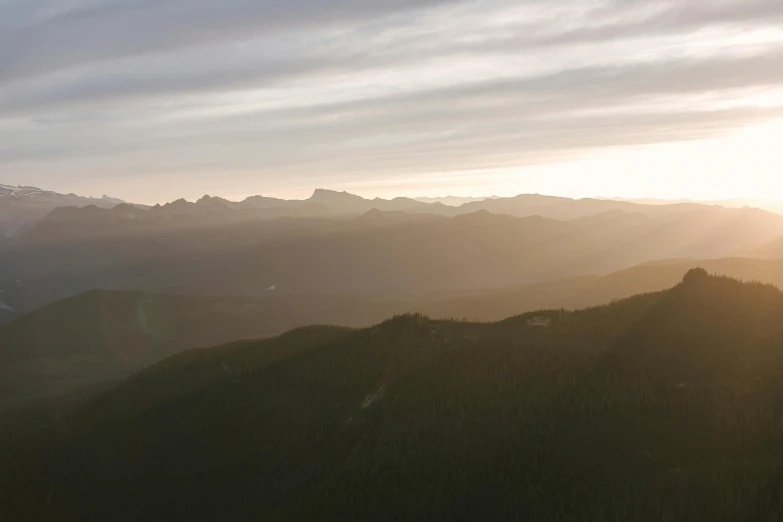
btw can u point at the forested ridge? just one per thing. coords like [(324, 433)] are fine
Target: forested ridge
[(664, 406)]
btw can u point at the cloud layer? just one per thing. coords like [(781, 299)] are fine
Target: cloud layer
[(272, 96)]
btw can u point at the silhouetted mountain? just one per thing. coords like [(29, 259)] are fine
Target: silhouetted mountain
[(350, 203), (216, 203), (211, 211), (452, 201), (678, 339), (266, 202), (553, 207), (593, 290), (345, 203), (22, 207), (665, 403), (378, 254)]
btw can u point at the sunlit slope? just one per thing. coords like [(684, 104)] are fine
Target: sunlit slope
[(662, 406), (768, 250), (592, 290)]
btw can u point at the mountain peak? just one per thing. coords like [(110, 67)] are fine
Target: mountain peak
[(333, 195), (695, 275), (208, 200), (377, 214), (481, 216)]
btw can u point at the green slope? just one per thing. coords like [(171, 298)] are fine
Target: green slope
[(100, 336), (665, 406)]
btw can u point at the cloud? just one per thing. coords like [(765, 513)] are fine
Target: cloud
[(341, 89), (100, 31)]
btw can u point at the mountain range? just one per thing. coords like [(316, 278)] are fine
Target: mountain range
[(21, 208), (59, 215), (102, 336), (167, 363), (663, 406), (112, 214), (452, 201), (380, 253)]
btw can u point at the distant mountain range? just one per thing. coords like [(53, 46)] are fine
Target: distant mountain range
[(452, 201), (167, 250), (771, 205), (22, 207), (109, 218), (338, 243)]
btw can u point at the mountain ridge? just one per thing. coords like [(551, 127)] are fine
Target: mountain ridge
[(174, 323), (373, 253), (335, 204), (523, 417), (22, 207)]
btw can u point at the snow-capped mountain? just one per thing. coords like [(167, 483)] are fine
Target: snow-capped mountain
[(24, 192), (21, 207), (7, 191)]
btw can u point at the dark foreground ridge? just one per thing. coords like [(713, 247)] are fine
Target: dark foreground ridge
[(664, 406)]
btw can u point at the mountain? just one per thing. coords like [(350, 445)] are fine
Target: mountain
[(90, 222), (101, 336), (664, 406), (345, 203), (452, 201), (770, 205), (33, 194), (523, 205), (22, 207), (565, 208), (213, 211), (593, 290), (267, 202), (382, 254)]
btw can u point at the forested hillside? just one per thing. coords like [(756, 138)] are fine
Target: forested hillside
[(664, 406), (102, 336)]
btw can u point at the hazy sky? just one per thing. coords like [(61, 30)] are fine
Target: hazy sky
[(151, 100)]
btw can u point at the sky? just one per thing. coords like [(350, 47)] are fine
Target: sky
[(152, 100)]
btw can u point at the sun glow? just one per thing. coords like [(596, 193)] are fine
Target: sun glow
[(745, 164)]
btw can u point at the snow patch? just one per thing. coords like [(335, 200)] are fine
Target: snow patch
[(7, 191)]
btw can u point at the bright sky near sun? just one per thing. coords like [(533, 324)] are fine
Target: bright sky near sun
[(746, 164), (152, 101)]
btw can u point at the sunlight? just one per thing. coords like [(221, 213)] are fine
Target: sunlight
[(745, 164)]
